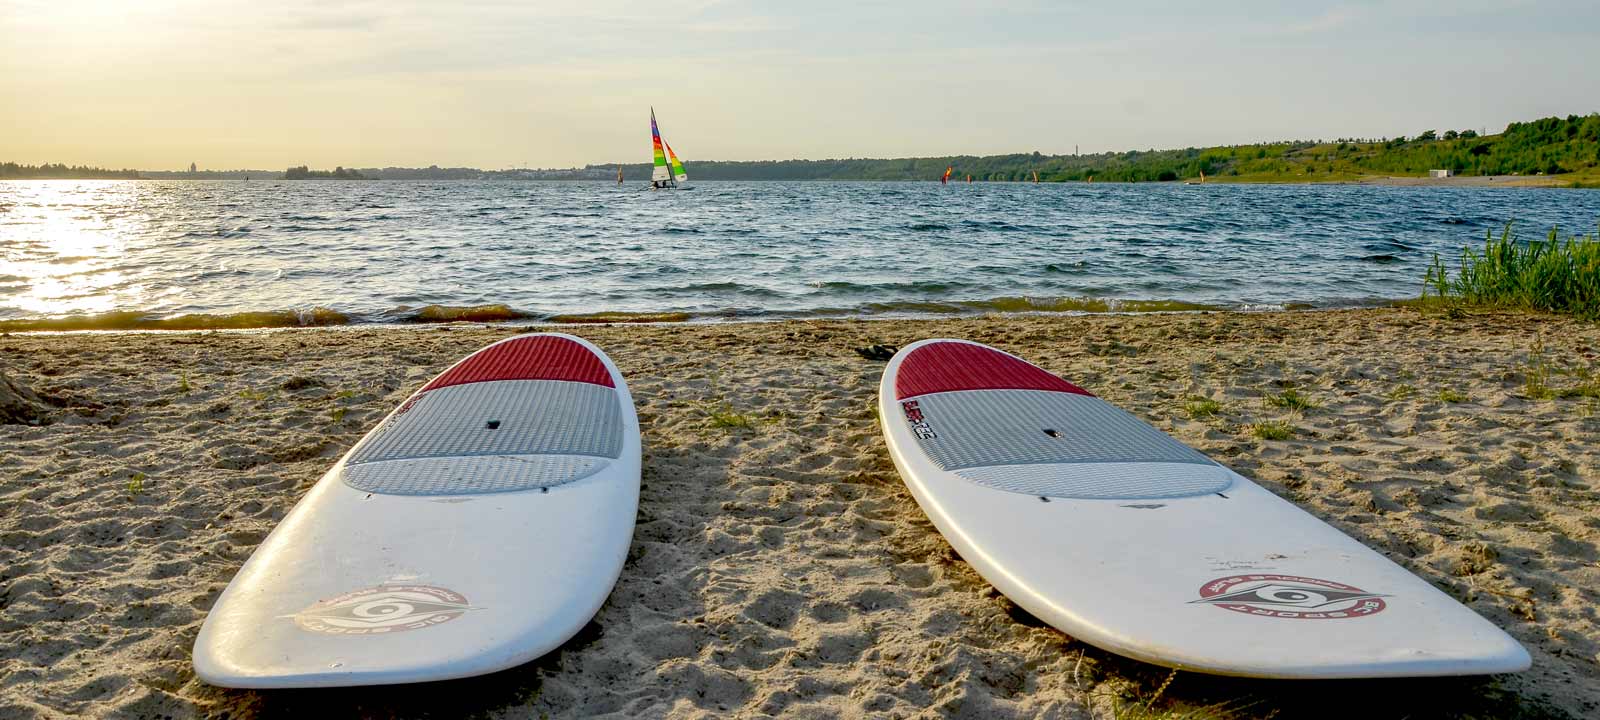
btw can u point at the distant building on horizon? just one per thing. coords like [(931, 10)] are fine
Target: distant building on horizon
[(1441, 173), (192, 168)]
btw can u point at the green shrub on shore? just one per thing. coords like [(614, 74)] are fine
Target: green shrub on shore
[(1551, 275)]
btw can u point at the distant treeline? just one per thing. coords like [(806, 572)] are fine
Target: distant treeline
[(208, 174), (432, 172), (339, 173), (58, 171), (1550, 146)]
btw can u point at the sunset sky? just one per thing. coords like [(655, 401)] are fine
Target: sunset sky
[(157, 84)]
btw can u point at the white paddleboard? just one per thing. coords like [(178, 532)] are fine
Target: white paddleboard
[(479, 526), (1125, 538)]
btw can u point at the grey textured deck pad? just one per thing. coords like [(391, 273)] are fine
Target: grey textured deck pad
[(998, 438), (1104, 481), (544, 430), (470, 475)]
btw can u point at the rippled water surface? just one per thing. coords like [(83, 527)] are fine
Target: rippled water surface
[(383, 251)]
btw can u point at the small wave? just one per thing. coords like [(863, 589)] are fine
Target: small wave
[(309, 228), (1015, 304), (140, 320), (620, 317), (1084, 304), (721, 287), (927, 227), (999, 225), (1381, 258), (921, 286), (457, 313), (1386, 245), (1073, 268)]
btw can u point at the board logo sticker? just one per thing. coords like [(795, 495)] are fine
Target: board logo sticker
[(1290, 596), (919, 424), (383, 609)]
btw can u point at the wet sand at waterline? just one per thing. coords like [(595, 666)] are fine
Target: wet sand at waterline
[(779, 565)]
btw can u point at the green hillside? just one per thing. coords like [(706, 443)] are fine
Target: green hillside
[(1564, 149)]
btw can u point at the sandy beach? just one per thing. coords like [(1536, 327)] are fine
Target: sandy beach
[(779, 566)]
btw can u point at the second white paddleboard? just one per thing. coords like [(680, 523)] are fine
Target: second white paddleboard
[(1127, 539)]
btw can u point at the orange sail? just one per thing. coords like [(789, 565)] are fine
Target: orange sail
[(946, 177)]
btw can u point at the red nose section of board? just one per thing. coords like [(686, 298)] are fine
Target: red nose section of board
[(946, 366), (540, 357)]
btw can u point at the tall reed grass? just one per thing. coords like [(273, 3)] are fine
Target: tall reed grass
[(1550, 275)]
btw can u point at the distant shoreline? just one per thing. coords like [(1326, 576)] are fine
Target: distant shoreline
[(1473, 181), (1554, 181), (1551, 151)]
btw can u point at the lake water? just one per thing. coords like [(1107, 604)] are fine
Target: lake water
[(275, 252)]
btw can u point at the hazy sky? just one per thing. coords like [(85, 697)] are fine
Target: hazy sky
[(156, 84)]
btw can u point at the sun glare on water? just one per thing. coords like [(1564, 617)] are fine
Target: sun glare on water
[(60, 243)]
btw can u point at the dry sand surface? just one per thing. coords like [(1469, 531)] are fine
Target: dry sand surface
[(780, 566)]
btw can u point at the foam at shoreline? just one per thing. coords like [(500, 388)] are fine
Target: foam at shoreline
[(500, 313)]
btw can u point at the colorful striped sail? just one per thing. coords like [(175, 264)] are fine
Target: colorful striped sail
[(678, 172), (660, 172)]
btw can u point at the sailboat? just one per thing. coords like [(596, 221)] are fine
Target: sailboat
[(619, 174), (668, 170), (1036, 177), (945, 179)]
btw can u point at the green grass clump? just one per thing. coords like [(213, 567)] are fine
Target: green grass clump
[(1291, 400), (1587, 390), (1272, 430), (183, 384), (1536, 375), (1402, 392), (136, 484), (1200, 408), (1451, 396), (1551, 275), (724, 416)]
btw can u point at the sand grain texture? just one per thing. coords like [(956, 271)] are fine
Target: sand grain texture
[(779, 566)]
